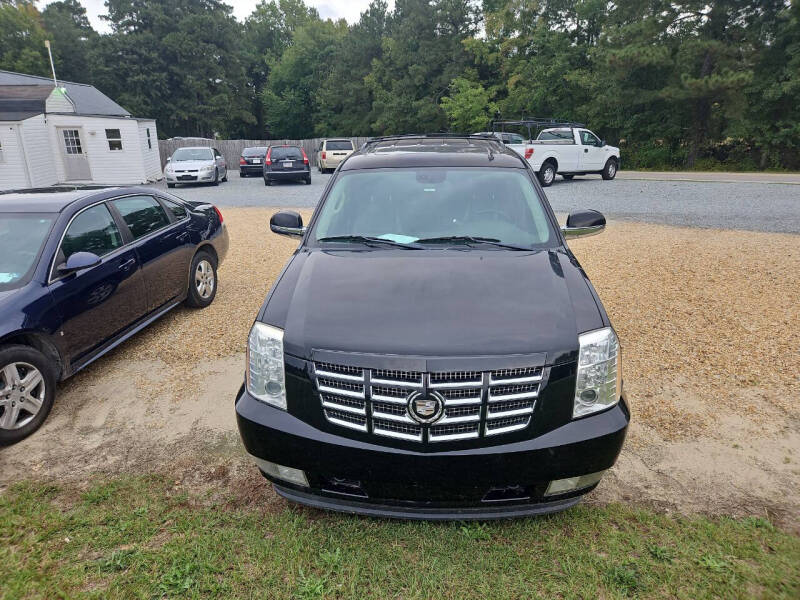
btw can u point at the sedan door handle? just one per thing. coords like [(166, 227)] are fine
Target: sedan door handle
[(126, 266), (183, 237), (585, 149)]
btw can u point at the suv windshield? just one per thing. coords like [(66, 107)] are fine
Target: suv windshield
[(406, 205), (286, 153), (339, 145), (183, 154), (21, 239)]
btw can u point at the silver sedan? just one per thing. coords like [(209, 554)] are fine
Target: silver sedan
[(196, 165)]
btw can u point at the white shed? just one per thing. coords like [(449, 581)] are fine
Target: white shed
[(72, 133)]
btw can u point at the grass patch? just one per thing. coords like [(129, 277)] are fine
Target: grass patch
[(134, 538)]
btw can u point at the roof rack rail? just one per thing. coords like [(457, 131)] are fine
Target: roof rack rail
[(533, 123), (411, 136)]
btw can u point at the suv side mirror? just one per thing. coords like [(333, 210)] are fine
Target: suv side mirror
[(583, 223), (77, 262), (288, 223), (602, 144)]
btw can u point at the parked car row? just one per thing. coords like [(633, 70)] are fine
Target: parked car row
[(282, 162)]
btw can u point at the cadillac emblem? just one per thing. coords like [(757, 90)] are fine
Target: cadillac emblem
[(425, 408)]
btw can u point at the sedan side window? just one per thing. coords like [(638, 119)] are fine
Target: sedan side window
[(142, 214), (175, 208), (93, 230)]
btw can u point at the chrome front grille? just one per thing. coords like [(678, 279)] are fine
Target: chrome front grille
[(476, 403)]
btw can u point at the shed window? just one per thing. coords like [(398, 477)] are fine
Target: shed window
[(149, 143), (114, 138)]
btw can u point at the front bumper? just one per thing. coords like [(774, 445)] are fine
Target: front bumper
[(507, 480), (189, 177)]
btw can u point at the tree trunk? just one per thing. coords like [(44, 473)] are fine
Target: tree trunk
[(701, 114)]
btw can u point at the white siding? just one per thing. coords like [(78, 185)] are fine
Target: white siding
[(42, 156), (13, 172), (59, 102), (150, 156), (107, 166)]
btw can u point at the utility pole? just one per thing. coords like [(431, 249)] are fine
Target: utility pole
[(52, 66)]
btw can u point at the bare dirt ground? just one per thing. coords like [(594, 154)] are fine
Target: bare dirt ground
[(708, 323)]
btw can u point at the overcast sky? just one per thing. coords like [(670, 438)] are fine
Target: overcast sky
[(334, 9)]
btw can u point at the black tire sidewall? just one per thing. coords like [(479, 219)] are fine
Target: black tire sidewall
[(606, 175), (18, 353), (193, 298), (544, 169)]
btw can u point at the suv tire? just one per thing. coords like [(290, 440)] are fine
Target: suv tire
[(202, 280), (29, 410)]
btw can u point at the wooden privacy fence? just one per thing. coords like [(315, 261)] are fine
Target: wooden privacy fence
[(232, 149)]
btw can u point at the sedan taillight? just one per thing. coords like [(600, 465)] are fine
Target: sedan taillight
[(219, 214), (267, 159), (242, 161)]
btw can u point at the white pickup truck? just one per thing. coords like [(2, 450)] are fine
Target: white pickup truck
[(568, 151)]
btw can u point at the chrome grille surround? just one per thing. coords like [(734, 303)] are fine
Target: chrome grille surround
[(476, 403)]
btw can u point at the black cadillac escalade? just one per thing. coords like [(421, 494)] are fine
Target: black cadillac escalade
[(433, 349)]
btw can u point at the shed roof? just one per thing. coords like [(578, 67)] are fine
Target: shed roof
[(88, 100)]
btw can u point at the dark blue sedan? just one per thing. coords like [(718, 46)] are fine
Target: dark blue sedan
[(82, 271)]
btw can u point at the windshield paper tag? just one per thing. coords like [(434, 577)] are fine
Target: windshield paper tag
[(396, 237)]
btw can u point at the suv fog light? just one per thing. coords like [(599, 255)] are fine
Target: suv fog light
[(570, 484), (289, 474)]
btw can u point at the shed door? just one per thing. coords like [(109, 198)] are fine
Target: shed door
[(76, 165)]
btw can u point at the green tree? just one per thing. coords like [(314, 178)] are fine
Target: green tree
[(72, 39), (22, 47), (289, 98), (180, 61), (268, 31), (343, 102), (468, 107), (421, 55)]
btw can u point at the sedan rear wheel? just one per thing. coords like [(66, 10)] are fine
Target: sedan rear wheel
[(203, 280), (27, 391)]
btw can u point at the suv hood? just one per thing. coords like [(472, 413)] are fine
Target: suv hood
[(433, 303)]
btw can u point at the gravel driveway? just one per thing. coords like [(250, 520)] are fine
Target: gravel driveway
[(721, 205)]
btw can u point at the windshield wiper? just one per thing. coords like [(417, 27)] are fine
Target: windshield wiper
[(469, 240), (369, 241)]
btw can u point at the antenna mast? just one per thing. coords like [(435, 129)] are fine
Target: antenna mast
[(52, 66)]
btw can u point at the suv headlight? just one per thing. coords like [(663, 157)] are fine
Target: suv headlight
[(599, 381), (265, 371)]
